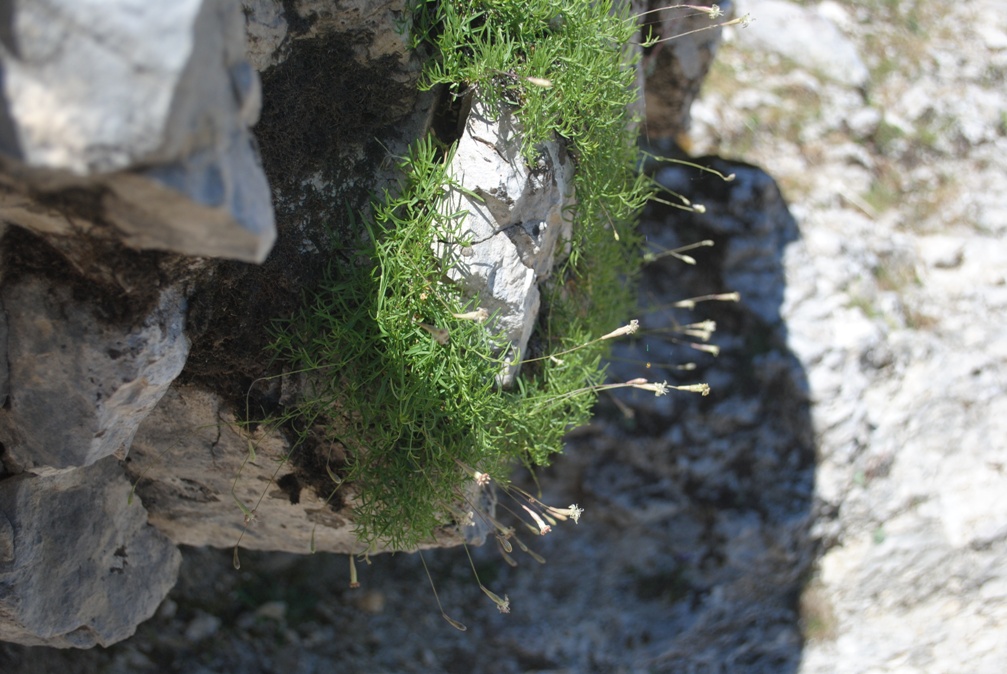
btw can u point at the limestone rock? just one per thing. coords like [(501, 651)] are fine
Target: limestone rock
[(80, 385), (4, 365), (136, 128), (266, 26), (71, 95), (510, 237), (192, 463), (79, 565)]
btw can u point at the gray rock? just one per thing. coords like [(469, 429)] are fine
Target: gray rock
[(4, 365), (266, 27), (192, 464), (272, 28), (146, 113), (79, 566), (202, 627), (79, 385), (386, 21), (674, 70), (508, 241), (213, 203)]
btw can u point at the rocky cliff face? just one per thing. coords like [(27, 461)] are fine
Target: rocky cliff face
[(833, 505), (125, 153), (149, 241), (140, 277)]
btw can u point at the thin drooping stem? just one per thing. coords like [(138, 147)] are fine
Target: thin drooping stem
[(451, 621)]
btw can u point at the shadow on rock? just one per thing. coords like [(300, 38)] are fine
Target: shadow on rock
[(695, 544), (693, 548), (719, 487)]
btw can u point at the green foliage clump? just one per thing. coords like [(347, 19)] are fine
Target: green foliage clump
[(583, 50), (408, 387)]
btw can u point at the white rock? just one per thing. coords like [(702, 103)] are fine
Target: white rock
[(203, 626), (804, 36), (864, 122), (942, 252), (267, 28), (990, 23), (145, 114), (514, 224), (836, 13), (96, 99)]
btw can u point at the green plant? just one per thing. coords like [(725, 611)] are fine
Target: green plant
[(397, 366)]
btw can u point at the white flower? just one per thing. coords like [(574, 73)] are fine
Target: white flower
[(503, 605), (633, 326), (659, 389), (702, 389), (573, 512), (479, 315), (712, 349), (543, 528)]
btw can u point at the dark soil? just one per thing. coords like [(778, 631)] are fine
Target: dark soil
[(322, 135), (119, 283)]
